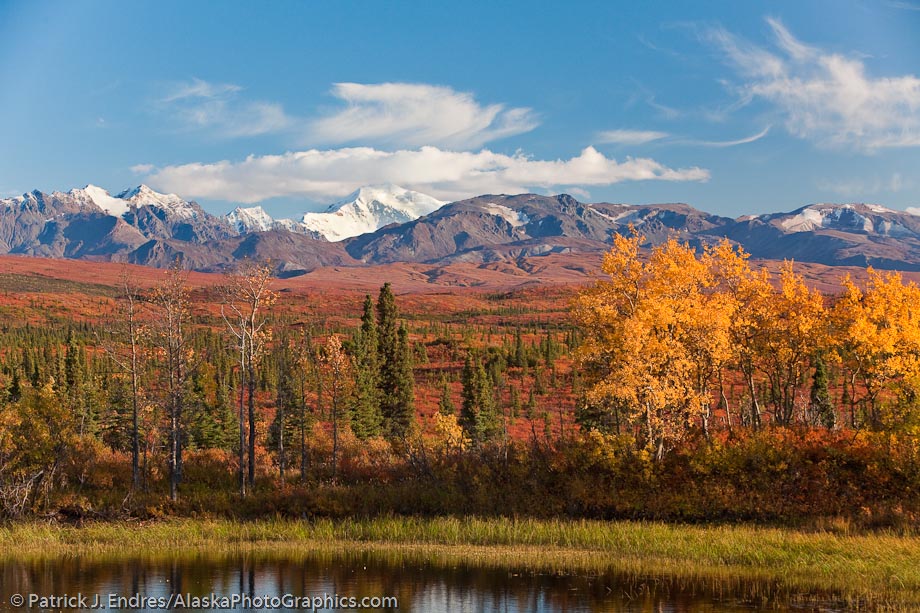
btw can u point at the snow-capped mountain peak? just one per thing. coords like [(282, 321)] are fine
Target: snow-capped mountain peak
[(102, 199), (250, 219), (859, 217), (144, 196), (368, 209)]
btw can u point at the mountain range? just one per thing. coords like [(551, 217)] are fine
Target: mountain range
[(388, 224)]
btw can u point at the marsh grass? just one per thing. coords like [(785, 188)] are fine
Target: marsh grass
[(876, 570)]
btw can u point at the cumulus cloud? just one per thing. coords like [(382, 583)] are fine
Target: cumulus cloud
[(823, 96), (629, 137), (449, 175), (413, 115), (218, 107)]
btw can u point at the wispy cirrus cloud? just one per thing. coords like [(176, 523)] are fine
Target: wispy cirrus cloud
[(220, 109), (640, 137), (902, 5), (395, 114), (823, 96), (629, 137), (450, 175), (856, 188), (732, 143), (198, 89), (414, 114)]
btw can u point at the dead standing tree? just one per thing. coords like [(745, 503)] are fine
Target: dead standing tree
[(127, 355), (246, 294), (171, 298)]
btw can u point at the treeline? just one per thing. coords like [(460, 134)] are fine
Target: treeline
[(170, 374), (692, 386)]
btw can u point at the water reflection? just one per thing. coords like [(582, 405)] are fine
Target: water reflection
[(420, 583)]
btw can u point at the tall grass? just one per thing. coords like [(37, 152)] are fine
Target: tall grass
[(864, 567)]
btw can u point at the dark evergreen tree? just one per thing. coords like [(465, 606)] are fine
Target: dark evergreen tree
[(520, 354), (73, 364), (514, 404), (602, 416), (366, 400), (397, 395), (821, 404), (14, 392), (446, 401), (478, 415), (404, 416), (283, 430)]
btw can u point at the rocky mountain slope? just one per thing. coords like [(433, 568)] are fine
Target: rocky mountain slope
[(491, 228), (388, 224)]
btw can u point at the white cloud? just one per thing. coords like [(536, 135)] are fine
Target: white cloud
[(826, 97), (199, 104), (856, 188), (904, 6), (198, 88), (579, 192), (413, 115), (142, 169), (399, 114), (629, 137), (734, 143), (449, 175)]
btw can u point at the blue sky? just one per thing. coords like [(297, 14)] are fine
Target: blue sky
[(733, 107)]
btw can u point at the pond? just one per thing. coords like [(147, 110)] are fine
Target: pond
[(362, 580)]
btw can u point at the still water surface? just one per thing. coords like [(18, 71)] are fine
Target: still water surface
[(419, 584)]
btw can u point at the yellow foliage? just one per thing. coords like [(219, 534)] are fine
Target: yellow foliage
[(878, 341), (447, 433), (656, 336)]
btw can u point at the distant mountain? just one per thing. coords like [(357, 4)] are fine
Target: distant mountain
[(246, 220), (369, 209), (489, 228), (836, 234), (388, 224), (366, 210), (250, 219), (138, 225)]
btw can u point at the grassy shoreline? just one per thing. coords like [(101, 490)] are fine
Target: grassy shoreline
[(866, 568)]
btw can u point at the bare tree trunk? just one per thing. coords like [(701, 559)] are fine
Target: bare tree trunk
[(281, 438), (173, 454), (755, 404), (135, 434), (241, 472), (303, 429), (724, 400), (335, 433), (252, 423)]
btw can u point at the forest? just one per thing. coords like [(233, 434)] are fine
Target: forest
[(687, 384)]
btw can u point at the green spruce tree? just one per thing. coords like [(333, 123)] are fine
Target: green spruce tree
[(446, 401), (366, 400), (821, 404), (397, 393), (478, 415)]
